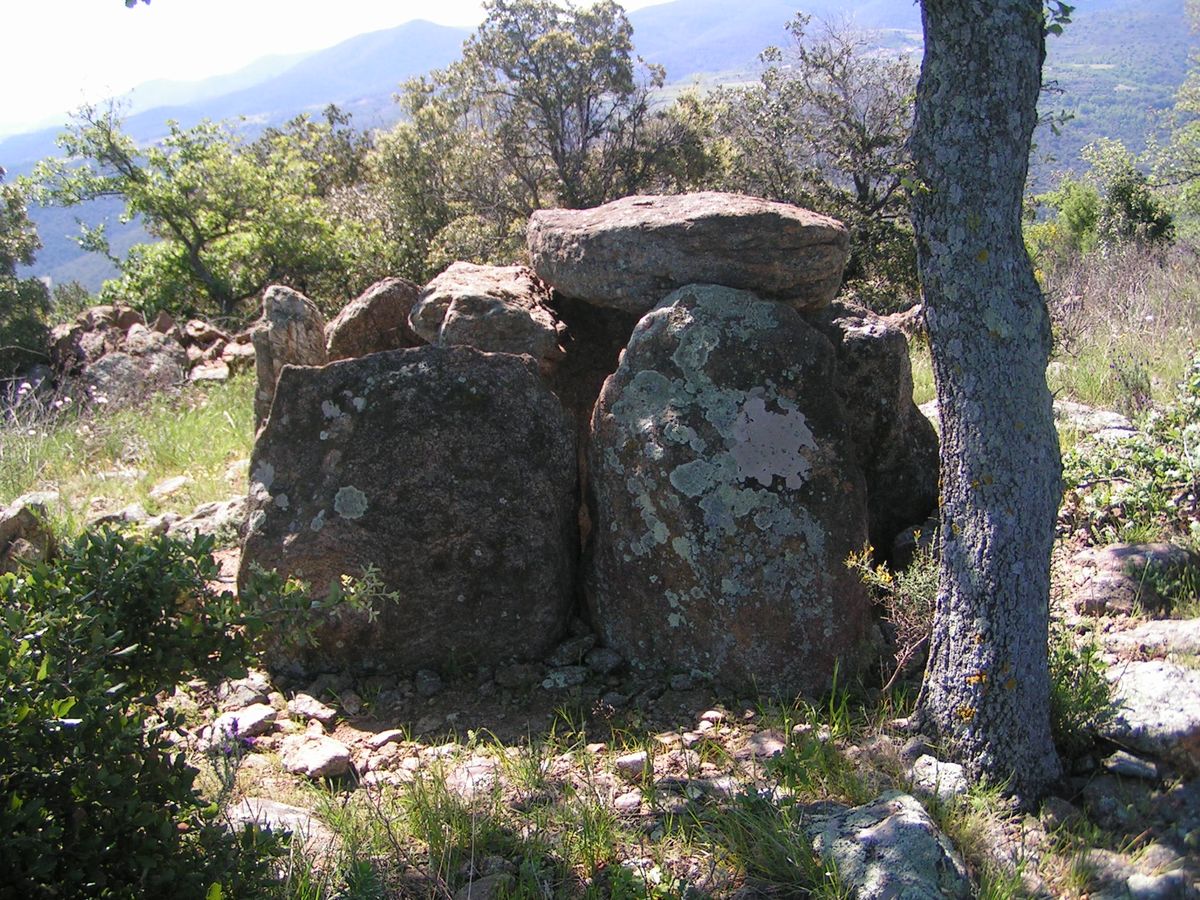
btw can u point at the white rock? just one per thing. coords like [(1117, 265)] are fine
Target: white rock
[(632, 766), (315, 756), (251, 721), (307, 707), (938, 779)]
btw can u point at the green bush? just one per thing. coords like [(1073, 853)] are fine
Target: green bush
[(95, 799), (1080, 694)]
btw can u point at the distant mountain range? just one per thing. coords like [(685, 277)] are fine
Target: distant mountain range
[(1118, 62)]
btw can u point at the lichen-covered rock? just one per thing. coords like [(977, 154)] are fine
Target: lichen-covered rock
[(375, 321), (1121, 579), (895, 443), (291, 332), (727, 498), (631, 253), (1157, 712), (448, 470), (24, 537), (498, 309), (888, 849)]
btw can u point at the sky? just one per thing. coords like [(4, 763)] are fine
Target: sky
[(57, 54)]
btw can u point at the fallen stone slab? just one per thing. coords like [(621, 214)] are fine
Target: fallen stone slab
[(1157, 712), (888, 849), (631, 253)]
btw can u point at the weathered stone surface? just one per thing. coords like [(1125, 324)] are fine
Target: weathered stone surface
[(375, 321), (1124, 578), (248, 722), (314, 755), (498, 309), (895, 444), (291, 332), (1158, 712), (317, 838), (933, 778), (147, 362), (210, 519), (24, 538), (727, 498), (1162, 638), (631, 253), (452, 472), (890, 849), (307, 707)]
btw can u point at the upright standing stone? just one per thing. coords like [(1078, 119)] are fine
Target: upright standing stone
[(727, 498), (375, 321), (291, 332), (896, 445), (451, 473)]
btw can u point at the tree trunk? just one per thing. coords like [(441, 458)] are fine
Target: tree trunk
[(986, 691)]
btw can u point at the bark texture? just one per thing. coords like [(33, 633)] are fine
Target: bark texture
[(986, 689)]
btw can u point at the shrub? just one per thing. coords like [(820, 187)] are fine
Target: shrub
[(95, 798), (1080, 695)]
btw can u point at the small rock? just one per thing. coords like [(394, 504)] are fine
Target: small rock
[(629, 802), (243, 692), (603, 661), (715, 716), (281, 818), (391, 736), (1057, 812), (572, 652), (427, 683), (632, 766), (1130, 766), (490, 887), (1170, 886), (565, 677), (251, 721), (1158, 711), (316, 757), (890, 848), (762, 745), (938, 779), (307, 707)]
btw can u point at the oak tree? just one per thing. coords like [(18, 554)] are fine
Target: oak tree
[(986, 691)]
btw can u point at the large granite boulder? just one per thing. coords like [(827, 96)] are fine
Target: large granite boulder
[(501, 309), (631, 253), (727, 498), (291, 332), (895, 443), (448, 470), (374, 322)]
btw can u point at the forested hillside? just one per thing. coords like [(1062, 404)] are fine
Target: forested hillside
[(1113, 72)]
